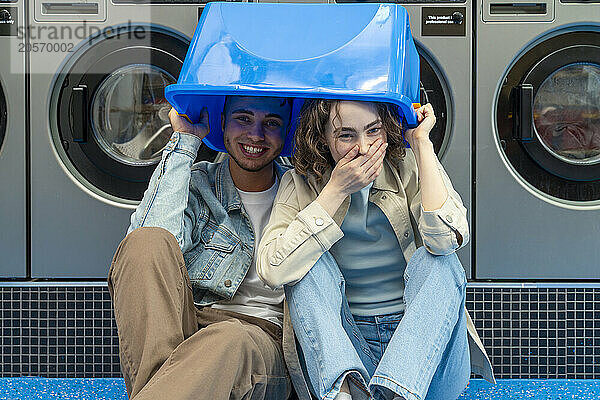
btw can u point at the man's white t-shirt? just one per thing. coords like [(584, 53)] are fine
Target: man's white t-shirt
[(253, 297)]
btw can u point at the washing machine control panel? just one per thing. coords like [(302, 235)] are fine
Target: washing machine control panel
[(8, 20)]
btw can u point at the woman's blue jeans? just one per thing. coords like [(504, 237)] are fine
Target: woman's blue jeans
[(424, 354)]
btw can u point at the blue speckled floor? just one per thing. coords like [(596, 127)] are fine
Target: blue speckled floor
[(110, 389), (550, 389), (54, 388)]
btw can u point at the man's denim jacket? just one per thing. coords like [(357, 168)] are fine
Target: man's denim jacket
[(201, 207)]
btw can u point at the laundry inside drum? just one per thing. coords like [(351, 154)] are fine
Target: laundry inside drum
[(567, 113)]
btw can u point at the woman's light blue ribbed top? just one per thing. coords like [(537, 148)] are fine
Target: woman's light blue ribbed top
[(370, 259)]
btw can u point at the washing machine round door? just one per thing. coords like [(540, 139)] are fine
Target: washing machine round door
[(111, 115), (548, 117), (3, 114), (434, 90)]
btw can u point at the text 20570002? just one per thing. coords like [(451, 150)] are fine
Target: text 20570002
[(45, 46)]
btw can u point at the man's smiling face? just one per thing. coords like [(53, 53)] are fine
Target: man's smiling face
[(254, 130)]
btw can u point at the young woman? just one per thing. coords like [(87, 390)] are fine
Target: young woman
[(362, 234)]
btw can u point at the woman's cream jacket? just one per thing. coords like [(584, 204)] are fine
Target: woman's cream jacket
[(300, 230)]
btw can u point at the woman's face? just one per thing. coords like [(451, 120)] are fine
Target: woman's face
[(353, 123)]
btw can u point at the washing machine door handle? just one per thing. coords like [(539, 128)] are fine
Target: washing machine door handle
[(79, 113), (523, 113), (423, 93)]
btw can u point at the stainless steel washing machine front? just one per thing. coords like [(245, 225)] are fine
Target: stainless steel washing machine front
[(99, 121), (12, 141), (538, 140), (443, 35)]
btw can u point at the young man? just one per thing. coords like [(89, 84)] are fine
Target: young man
[(194, 319)]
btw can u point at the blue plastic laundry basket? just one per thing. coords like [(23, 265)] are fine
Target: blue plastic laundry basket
[(343, 51)]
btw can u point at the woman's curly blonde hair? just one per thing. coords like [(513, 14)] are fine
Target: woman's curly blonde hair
[(312, 155)]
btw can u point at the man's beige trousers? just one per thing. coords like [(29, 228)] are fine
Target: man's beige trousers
[(169, 349)]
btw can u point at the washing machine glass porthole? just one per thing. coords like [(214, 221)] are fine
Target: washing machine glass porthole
[(566, 114), (548, 118), (130, 115)]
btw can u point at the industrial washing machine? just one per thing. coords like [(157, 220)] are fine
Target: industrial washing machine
[(537, 140), (12, 142), (443, 35), (99, 121)]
